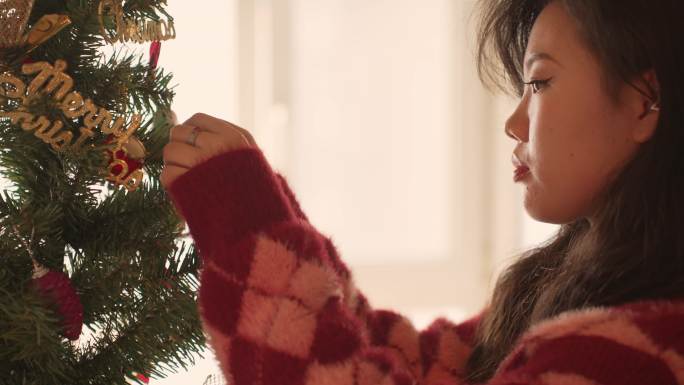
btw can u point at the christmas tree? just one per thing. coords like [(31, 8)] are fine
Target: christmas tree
[(97, 280)]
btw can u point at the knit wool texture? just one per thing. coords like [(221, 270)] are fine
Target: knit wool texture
[(280, 306)]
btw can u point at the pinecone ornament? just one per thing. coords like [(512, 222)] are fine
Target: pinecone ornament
[(56, 287)]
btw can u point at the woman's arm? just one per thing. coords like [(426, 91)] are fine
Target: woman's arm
[(443, 344), (277, 302)]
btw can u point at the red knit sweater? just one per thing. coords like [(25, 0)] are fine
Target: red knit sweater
[(280, 308)]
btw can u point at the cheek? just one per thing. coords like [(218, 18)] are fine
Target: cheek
[(567, 154), (561, 193), (563, 197)]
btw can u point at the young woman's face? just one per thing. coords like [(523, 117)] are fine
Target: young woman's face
[(571, 135)]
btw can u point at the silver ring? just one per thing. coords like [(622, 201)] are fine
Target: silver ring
[(192, 139)]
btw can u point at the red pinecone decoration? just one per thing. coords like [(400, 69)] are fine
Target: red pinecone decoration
[(57, 287)]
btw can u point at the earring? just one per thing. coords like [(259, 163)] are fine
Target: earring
[(655, 104), (654, 107)]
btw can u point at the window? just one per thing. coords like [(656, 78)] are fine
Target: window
[(373, 112)]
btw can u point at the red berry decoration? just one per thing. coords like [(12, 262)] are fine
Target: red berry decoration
[(143, 378), (56, 286), (131, 376)]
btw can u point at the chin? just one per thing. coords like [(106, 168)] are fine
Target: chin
[(547, 215)]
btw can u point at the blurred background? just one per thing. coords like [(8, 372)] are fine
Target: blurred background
[(373, 112)]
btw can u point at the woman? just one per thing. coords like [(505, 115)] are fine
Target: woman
[(599, 130)]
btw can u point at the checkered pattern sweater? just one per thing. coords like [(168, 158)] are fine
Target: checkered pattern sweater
[(280, 308)]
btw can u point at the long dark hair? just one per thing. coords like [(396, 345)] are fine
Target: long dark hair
[(634, 248)]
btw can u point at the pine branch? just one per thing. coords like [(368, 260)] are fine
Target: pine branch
[(124, 251), (168, 345), (29, 342)]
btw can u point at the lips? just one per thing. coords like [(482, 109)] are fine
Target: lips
[(521, 169), (520, 173)]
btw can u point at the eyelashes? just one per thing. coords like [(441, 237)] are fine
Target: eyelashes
[(538, 84)]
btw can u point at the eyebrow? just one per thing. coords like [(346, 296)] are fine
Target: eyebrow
[(538, 56)]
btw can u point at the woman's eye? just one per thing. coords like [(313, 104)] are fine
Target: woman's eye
[(538, 85)]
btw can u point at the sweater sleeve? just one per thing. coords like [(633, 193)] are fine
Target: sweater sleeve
[(277, 303), (599, 346), (585, 360)]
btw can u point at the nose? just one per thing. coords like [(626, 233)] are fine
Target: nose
[(517, 125)]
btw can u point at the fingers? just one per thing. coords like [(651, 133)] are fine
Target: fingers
[(208, 123), (214, 136), (218, 126), (181, 155), (182, 133), (248, 136)]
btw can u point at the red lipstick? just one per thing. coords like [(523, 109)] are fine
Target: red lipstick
[(521, 173), (521, 169)]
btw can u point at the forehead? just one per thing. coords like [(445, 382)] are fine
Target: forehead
[(555, 33)]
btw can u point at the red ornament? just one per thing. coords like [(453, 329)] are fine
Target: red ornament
[(126, 160), (155, 50), (117, 168), (57, 287), (143, 378), (137, 376)]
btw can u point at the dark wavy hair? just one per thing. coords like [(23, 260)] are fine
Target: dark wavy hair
[(634, 248)]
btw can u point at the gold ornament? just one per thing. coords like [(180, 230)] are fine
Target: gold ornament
[(51, 80), (119, 170), (130, 181), (14, 15), (47, 27), (13, 19), (134, 148), (39, 271), (127, 29)]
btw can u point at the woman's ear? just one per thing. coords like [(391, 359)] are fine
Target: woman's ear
[(644, 103)]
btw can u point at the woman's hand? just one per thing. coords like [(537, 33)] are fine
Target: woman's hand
[(201, 137)]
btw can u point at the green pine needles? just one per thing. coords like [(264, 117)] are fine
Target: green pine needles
[(125, 251)]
